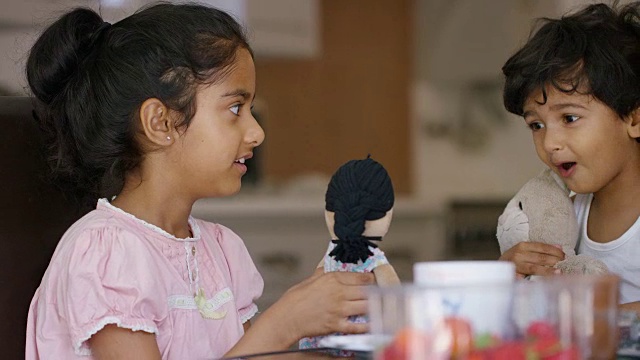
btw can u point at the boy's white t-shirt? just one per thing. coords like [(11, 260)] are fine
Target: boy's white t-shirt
[(621, 255)]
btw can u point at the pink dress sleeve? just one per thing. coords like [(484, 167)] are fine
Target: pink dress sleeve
[(109, 280), (246, 281)]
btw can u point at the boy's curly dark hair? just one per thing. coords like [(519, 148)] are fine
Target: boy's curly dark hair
[(595, 51)]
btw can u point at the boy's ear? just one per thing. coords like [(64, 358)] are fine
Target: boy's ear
[(633, 124), (156, 123)]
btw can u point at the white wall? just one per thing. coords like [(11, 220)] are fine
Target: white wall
[(462, 149)]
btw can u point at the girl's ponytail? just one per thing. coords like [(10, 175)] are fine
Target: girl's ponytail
[(56, 57), (54, 67), (54, 64)]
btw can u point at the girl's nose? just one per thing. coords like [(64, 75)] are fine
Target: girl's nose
[(255, 133)]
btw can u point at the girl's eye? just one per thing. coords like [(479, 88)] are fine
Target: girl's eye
[(236, 109), (536, 125), (570, 118)]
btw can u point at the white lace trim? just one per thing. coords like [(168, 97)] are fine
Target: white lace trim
[(186, 302), (251, 312), (82, 349), (195, 229)]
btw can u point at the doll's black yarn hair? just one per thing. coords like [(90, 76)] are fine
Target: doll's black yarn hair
[(360, 190)]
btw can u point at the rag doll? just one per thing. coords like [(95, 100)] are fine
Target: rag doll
[(542, 211), (358, 211)]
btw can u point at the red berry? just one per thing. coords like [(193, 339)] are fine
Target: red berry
[(545, 346), (541, 330), (407, 344), (567, 354), (511, 350)]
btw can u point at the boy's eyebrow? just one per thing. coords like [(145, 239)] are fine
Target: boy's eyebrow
[(556, 107), (238, 92)]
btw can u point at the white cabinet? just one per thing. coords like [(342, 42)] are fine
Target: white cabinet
[(279, 28), (276, 28)]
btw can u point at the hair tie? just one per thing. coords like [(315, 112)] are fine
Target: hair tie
[(104, 25), (97, 33)]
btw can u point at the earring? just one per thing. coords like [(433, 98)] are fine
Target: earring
[(168, 137)]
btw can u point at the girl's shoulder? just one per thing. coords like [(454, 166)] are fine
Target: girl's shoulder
[(222, 236), (219, 232), (104, 231), (101, 223)]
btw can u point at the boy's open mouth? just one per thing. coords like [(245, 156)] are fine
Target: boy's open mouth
[(567, 165)]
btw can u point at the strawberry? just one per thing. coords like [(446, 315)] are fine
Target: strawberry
[(541, 330)]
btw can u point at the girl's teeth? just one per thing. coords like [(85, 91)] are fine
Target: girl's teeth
[(241, 161)]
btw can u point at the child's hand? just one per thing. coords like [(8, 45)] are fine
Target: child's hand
[(321, 304), (534, 258)]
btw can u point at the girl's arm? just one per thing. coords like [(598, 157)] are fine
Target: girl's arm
[(113, 342), (319, 305)]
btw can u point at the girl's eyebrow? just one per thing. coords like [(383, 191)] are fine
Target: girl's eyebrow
[(238, 92)]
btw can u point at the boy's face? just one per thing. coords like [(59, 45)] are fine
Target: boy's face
[(582, 140)]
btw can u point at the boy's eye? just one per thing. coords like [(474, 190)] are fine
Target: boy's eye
[(236, 109), (570, 118), (536, 125)]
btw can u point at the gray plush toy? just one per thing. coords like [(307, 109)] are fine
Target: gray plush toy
[(542, 211)]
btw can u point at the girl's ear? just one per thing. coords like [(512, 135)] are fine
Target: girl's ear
[(633, 124), (156, 123)]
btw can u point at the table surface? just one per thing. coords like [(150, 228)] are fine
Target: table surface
[(321, 353)]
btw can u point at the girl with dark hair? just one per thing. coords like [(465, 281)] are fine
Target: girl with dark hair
[(358, 211), (576, 83), (146, 116)]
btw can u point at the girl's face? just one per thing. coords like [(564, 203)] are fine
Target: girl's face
[(222, 134), (582, 140)]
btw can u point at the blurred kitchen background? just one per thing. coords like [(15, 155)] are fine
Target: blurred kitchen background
[(414, 83)]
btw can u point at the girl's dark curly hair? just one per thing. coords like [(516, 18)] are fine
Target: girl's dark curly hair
[(89, 79), (595, 51), (360, 190)]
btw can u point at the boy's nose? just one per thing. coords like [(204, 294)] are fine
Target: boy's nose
[(553, 140)]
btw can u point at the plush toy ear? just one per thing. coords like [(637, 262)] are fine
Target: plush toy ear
[(558, 180)]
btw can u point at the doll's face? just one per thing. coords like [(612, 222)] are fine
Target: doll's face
[(377, 227)]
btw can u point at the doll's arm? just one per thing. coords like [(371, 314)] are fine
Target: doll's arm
[(386, 275)]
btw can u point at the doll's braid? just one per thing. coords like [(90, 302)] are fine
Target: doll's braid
[(360, 190)]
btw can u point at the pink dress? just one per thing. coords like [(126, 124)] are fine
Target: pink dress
[(112, 268)]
